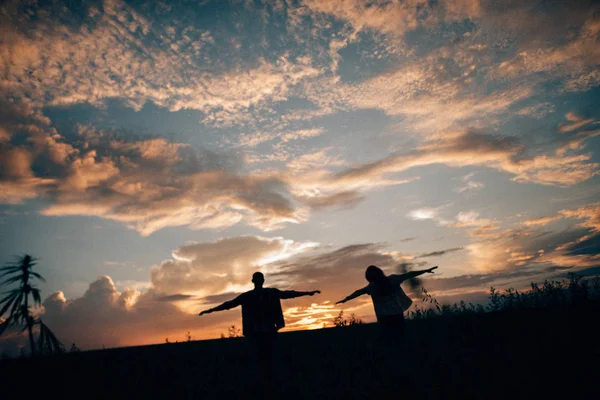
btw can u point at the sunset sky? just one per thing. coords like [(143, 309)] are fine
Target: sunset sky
[(153, 155)]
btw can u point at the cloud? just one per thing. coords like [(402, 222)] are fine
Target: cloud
[(469, 184), (574, 247), (590, 214), (105, 317), (395, 17), (439, 253), (301, 134), (344, 199), (150, 184), (494, 248), (472, 219), (540, 221), (574, 122), (537, 110), (504, 153), (462, 219), (146, 184), (122, 54), (577, 60), (408, 239), (204, 269), (175, 297), (434, 91), (424, 213)]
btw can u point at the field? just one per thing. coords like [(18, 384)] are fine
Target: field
[(540, 344), (547, 353)]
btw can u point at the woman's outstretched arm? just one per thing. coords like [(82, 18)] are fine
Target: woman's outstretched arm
[(354, 295), (414, 274)]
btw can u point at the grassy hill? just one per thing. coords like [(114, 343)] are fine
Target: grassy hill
[(517, 351)]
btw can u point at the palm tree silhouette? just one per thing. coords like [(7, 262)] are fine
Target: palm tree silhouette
[(16, 301)]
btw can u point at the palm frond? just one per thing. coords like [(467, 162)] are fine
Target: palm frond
[(15, 302), (18, 303), (37, 298), (10, 293), (8, 300), (47, 342), (41, 278), (32, 259), (10, 267), (9, 271), (13, 279)]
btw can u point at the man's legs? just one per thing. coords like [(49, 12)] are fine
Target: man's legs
[(264, 349)]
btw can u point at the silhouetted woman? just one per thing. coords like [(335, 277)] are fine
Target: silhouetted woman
[(389, 300)]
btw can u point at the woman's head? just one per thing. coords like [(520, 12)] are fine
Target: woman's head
[(374, 274)]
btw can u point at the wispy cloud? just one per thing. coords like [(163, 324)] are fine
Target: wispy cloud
[(439, 253), (424, 213), (469, 184)]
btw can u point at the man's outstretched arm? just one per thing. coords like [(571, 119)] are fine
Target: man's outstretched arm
[(414, 274), (354, 295), (291, 294), (225, 306)]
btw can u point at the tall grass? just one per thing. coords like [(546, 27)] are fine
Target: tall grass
[(573, 291)]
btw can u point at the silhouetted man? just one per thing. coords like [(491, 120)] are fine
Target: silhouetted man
[(262, 316)]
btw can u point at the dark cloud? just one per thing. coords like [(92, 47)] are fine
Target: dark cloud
[(408, 239), (470, 147), (588, 246), (219, 298), (343, 199), (175, 297), (440, 252), (592, 271)]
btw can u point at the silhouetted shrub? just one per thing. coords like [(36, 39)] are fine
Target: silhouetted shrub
[(340, 321)]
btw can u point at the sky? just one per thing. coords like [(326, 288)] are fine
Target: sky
[(153, 155)]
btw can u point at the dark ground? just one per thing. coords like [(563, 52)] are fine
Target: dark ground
[(509, 354)]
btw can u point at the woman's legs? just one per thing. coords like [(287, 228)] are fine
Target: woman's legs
[(392, 328)]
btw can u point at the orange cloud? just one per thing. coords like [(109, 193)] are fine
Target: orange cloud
[(395, 17), (151, 184), (472, 148)]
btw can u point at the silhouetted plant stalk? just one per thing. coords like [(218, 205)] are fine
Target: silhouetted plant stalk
[(16, 304)]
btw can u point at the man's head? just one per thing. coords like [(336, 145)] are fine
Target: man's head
[(258, 279)]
